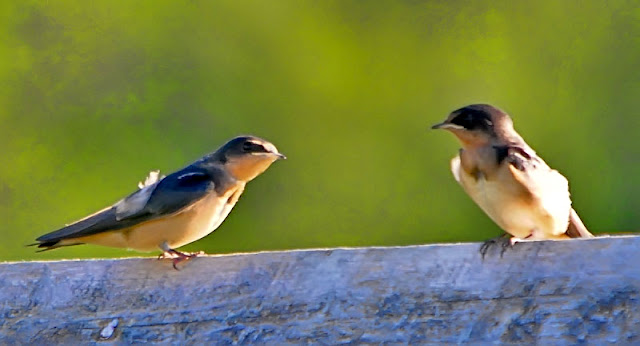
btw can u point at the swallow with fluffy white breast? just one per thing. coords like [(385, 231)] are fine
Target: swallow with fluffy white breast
[(169, 212), (506, 178)]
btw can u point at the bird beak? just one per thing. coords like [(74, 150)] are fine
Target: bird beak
[(280, 156), (446, 126)]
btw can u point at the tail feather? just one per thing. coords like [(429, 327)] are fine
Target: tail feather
[(107, 219), (101, 221), (50, 245), (576, 228), (53, 245), (98, 222)]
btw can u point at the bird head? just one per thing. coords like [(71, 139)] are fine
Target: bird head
[(246, 157), (477, 124)]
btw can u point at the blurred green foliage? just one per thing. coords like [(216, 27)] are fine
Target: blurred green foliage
[(93, 95)]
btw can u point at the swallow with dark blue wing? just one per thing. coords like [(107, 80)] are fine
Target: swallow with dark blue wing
[(507, 179), (169, 212)]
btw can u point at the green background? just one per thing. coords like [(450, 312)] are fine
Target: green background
[(93, 95)]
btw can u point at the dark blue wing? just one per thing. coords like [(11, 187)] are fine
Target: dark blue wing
[(517, 156), (169, 195), (177, 191)]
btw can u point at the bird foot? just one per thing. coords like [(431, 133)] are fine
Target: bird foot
[(504, 241), (515, 240), (177, 256)]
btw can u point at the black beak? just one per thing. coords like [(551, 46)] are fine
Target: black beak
[(447, 126), (438, 126)]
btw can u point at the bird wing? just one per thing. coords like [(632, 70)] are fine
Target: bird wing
[(554, 185), (546, 185), (532, 172), (163, 197)]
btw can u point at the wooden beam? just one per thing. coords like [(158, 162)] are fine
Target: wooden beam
[(562, 292)]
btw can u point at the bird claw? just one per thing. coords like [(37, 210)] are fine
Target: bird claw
[(177, 256), (504, 241)]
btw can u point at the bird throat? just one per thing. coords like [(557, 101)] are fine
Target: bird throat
[(249, 167)]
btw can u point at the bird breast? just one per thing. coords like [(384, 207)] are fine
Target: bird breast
[(203, 217), (524, 206)]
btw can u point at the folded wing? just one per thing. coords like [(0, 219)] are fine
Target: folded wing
[(163, 197)]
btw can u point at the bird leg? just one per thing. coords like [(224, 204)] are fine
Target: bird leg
[(484, 248), (177, 256), (504, 241), (515, 240)]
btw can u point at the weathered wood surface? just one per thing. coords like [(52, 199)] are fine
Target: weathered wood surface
[(540, 292)]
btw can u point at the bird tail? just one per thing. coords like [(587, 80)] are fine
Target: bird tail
[(94, 223), (576, 228), (50, 245)]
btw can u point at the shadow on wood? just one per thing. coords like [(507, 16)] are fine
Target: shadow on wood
[(548, 292)]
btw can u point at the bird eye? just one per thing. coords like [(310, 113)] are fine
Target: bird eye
[(252, 147), (471, 120), (465, 120), (247, 146), (468, 119)]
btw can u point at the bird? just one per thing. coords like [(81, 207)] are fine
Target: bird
[(508, 180), (167, 212)]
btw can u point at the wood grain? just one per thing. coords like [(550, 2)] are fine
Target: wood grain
[(562, 292)]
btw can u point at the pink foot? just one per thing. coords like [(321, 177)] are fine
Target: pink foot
[(177, 256)]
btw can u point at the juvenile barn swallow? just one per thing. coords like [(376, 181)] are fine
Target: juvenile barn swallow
[(506, 178), (169, 212)]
